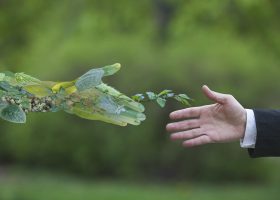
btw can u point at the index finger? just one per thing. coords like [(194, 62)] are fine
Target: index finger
[(193, 112)]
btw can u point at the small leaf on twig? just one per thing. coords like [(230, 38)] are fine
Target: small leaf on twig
[(138, 97), (151, 95), (161, 102), (164, 92), (162, 97)]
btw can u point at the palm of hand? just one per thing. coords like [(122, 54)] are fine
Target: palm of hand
[(223, 121)]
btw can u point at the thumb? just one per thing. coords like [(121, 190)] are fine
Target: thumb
[(214, 96)]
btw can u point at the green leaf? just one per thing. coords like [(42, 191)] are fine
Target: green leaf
[(38, 90), (151, 95), (13, 113), (80, 111), (9, 77), (184, 96), (3, 105), (8, 73), (24, 79), (164, 92), (7, 87), (161, 102), (90, 79), (182, 100), (109, 105), (138, 97), (25, 103), (2, 92), (2, 76), (111, 69)]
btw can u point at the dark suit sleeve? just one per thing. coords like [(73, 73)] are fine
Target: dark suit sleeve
[(268, 133)]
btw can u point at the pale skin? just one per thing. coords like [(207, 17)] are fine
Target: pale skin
[(223, 121)]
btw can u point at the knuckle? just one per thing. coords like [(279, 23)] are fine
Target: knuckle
[(189, 123), (191, 111), (191, 134), (179, 125), (183, 135), (229, 97), (194, 132)]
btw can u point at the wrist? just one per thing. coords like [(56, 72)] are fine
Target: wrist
[(243, 121)]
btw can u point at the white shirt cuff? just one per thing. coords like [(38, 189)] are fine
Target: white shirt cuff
[(250, 136)]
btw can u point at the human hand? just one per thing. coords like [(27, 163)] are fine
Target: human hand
[(224, 121)]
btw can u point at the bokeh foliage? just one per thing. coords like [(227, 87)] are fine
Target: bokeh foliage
[(232, 45)]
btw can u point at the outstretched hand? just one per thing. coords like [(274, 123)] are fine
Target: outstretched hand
[(224, 121)]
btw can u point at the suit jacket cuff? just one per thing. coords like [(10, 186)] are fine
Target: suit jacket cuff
[(268, 133)]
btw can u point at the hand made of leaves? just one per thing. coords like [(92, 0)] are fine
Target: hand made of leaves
[(87, 97)]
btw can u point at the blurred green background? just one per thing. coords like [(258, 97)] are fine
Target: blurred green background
[(231, 45)]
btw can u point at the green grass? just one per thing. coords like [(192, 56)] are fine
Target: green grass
[(22, 185)]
